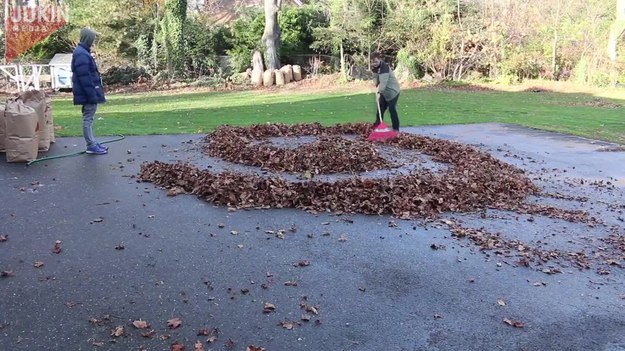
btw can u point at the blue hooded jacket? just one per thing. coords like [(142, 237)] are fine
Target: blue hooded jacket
[(86, 80)]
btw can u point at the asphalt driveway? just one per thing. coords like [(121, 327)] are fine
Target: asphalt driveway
[(351, 282)]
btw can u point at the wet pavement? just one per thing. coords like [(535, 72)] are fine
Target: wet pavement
[(131, 252)]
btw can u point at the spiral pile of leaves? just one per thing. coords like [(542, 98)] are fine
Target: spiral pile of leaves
[(474, 179), (330, 154)]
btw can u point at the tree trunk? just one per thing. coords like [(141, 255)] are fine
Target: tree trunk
[(271, 36), (343, 69), (554, 55), (616, 30)]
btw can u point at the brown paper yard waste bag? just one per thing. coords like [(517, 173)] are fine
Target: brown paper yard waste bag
[(37, 100), (297, 73), (22, 132), (3, 133)]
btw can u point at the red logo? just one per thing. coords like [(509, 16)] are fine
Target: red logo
[(25, 26)]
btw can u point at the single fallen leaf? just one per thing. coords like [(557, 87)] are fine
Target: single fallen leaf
[(174, 323), (290, 283), (312, 309), (437, 316), (303, 263), (98, 220), (118, 331), (177, 346), (97, 344), (6, 274), (57, 247), (512, 323), (306, 317), (198, 346), (269, 307), (38, 264), (501, 302), (120, 247), (212, 335), (288, 325), (539, 284), (234, 232), (4, 238), (221, 225), (254, 348), (140, 324), (240, 246), (148, 334), (230, 344), (175, 191), (343, 238), (164, 337)]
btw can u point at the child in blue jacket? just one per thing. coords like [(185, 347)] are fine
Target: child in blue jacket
[(87, 88)]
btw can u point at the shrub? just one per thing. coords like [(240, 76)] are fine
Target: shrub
[(125, 75)]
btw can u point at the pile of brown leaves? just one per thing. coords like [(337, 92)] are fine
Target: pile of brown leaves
[(474, 179), (330, 154)]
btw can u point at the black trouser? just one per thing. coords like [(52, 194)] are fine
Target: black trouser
[(392, 108)]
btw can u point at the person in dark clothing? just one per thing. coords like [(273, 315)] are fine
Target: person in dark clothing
[(87, 88), (388, 89)]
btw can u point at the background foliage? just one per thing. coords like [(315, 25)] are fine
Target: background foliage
[(496, 40)]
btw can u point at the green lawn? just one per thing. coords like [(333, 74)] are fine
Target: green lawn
[(141, 114)]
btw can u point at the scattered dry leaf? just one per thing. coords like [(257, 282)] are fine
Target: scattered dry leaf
[(57, 247), (343, 238), (140, 324), (290, 283), (501, 302), (288, 325), (6, 274), (38, 264), (175, 191), (303, 263), (212, 335), (312, 309), (3, 238), (174, 323), (269, 307), (512, 323), (118, 331), (199, 346), (230, 344), (148, 334), (177, 346), (254, 348)]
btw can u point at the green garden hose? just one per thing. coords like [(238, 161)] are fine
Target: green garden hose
[(121, 137)]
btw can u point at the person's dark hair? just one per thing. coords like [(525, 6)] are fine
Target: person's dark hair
[(375, 55)]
